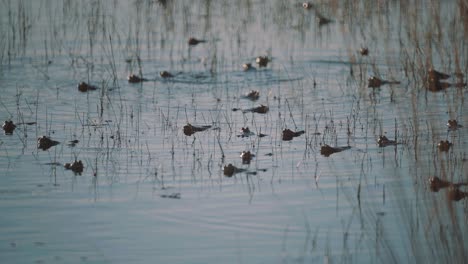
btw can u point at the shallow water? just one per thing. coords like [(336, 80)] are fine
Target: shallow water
[(149, 193)]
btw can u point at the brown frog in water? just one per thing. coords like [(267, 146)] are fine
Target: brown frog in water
[(246, 157), (262, 109), (434, 75), (444, 145), (307, 5), (262, 61), (452, 124), (375, 82), (322, 20), (437, 86), (364, 51), (383, 141), (435, 184), (288, 134), (434, 80), (327, 150), (245, 132), (248, 67), (166, 74), (190, 130), (136, 79), (85, 87), (76, 166), (8, 127), (230, 170), (193, 41), (252, 95), (45, 143), (454, 192)]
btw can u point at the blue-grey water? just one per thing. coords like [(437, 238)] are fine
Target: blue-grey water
[(150, 194)]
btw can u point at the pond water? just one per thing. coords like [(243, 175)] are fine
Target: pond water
[(150, 193)]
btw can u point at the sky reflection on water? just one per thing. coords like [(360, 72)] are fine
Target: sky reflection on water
[(150, 193)]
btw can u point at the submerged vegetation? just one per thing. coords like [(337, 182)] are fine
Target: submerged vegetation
[(143, 79)]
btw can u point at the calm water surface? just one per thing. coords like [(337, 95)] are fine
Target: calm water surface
[(149, 193)]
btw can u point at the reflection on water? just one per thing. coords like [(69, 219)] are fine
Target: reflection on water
[(150, 104)]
